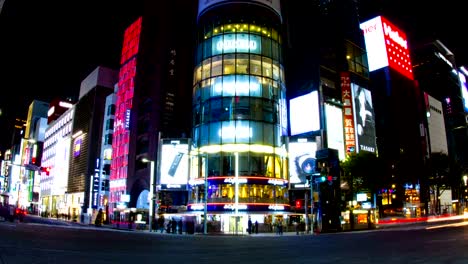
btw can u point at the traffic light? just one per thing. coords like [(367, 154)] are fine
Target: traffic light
[(298, 204), (46, 170)]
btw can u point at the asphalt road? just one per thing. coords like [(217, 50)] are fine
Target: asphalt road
[(65, 243)]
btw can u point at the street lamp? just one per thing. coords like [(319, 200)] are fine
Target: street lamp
[(151, 207)]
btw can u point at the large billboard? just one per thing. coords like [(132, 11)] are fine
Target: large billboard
[(464, 87), (334, 127), (386, 46), (364, 119), (304, 114), (174, 164), (301, 161)]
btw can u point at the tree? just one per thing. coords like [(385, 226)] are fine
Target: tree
[(361, 172), (439, 180)]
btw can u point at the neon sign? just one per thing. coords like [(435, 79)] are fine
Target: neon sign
[(239, 44), (233, 207), (233, 180), (386, 46)]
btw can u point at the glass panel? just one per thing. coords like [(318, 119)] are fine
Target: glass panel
[(204, 135), (217, 87), (207, 50), (255, 65), (215, 133), (197, 75), (204, 89), (217, 66), (255, 44), (276, 71), (266, 67), (229, 85), (275, 51), (228, 132), (257, 132), (242, 63), (206, 68), (217, 45), (243, 131), (255, 86), (266, 47), (242, 85), (256, 109), (229, 64), (242, 110)]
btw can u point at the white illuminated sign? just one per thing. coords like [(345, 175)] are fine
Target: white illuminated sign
[(304, 113), (233, 180), (241, 45), (276, 207), (196, 181), (233, 207), (197, 207), (275, 182)]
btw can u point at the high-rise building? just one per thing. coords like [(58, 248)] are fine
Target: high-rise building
[(83, 172), (439, 76), (152, 99), (239, 114), (400, 115)]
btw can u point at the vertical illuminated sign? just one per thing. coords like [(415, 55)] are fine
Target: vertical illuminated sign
[(124, 101), (386, 46), (348, 116)]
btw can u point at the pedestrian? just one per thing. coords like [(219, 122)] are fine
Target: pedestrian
[(256, 227), (99, 216), (161, 221), (174, 225), (179, 225), (280, 223), (249, 226)]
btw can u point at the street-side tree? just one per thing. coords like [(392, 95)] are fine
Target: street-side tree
[(361, 172), (439, 180)]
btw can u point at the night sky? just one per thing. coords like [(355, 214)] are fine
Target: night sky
[(48, 47)]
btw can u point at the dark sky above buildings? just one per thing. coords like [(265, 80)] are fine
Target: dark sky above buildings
[(48, 47)]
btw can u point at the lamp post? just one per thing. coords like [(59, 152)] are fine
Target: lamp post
[(151, 206)]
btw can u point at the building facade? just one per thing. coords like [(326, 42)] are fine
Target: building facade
[(239, 115)]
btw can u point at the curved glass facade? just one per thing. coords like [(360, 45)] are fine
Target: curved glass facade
[(239, 116)]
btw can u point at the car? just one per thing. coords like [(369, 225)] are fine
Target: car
[(20, 213)]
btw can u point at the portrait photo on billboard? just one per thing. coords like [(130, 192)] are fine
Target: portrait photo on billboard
[(301, 160), (364, 118)]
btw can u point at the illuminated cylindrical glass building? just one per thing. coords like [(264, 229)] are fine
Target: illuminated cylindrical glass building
[(239, 115)]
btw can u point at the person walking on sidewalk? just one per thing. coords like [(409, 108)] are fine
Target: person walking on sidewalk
[(161, 221)]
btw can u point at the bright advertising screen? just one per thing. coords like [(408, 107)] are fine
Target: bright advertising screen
[(335, 131), (364, 118), (301, 160), (174, 164), (304, 114), (386, 46), (464, 88)]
